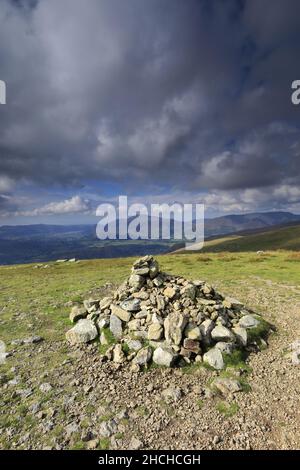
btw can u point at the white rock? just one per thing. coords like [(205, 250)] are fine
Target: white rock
[(214, 358), (164, 357), (248, 321), (221, 333), (83, 332)]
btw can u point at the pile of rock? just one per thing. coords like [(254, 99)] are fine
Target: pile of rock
[(155, 316)]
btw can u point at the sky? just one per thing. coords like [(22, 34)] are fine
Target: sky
[(160, 100)]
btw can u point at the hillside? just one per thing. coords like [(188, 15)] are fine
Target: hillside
[(40, 243), (279, 238), (55, 396)]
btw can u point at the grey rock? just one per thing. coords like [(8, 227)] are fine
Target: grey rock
[(221, 333), (136, 281), (248, 321), (214, 358), (172, 394), (174, 325), (164, 357), (115, 326), (241, 335), (132, 305), (45, 387), (83, 332), (143, 356), (206, 328), (227, 385), (155, 332), (226, 348), (108, 428), (119, 312), (134, 344), (77, 313)]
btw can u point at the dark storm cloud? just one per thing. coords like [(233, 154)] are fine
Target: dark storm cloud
[(193, 95)]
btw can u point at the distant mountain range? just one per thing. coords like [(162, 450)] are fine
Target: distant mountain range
[(39, 243)]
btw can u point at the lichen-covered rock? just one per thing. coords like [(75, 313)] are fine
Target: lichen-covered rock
[(248, 321)]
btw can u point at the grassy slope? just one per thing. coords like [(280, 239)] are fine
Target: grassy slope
[(42, 293), (39, 297), (287, 238)]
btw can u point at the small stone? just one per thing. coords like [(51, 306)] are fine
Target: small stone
[(136, 281), (131, 305), (135, 444), (241, 334), (206, 328), (77, 313), (45, 388), (134, 344), (192, 345), (118, 355), (226, 385), (105, 303), (108, 428), (172, 394), (169, 292)]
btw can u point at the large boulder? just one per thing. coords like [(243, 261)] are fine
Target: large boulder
[(83, 332)]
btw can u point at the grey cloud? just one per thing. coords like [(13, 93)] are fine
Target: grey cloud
[(180, 93)]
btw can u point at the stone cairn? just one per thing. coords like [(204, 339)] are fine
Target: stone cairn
[(165, 319)]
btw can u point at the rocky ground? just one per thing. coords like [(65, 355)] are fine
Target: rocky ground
[(84, 402)]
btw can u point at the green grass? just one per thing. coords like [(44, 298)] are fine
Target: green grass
[(287, 238), (227, 409)]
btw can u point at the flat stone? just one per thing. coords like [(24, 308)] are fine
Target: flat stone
[(221, 333), (131, 305), (248, 321), (83, 332), (227, 385), (119, 312)]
